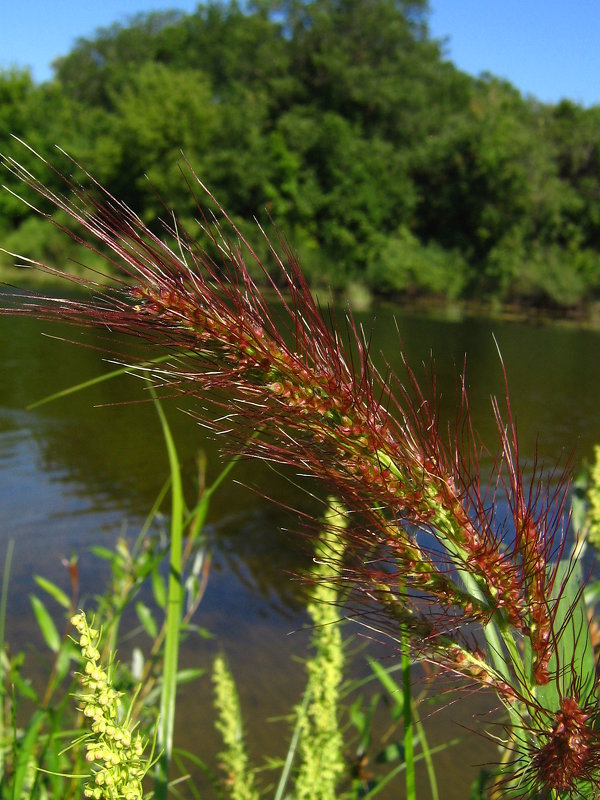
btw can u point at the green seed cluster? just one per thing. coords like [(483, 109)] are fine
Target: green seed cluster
[(321, 744), (112, 747), (240, 777)]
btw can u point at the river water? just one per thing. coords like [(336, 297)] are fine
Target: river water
[(85, 470)]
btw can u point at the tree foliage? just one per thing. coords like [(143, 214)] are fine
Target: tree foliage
[(343, 121)]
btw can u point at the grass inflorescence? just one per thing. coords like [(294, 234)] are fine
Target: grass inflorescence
[(430, 550), (113, 747)]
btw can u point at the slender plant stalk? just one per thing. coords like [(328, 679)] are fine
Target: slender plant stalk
[(107, 376), (174, 609), (427, 754), (286, 772), (409, 733)]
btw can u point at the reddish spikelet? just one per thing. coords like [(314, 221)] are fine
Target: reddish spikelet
[(300, 398), (559, 756), (569, 752)]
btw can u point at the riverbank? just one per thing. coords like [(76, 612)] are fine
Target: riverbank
[(357, 297)]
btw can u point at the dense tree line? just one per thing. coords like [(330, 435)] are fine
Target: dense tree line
[(384, 165)]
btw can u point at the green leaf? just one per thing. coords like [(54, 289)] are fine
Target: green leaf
[(592, 593), (199, 630), (214, 779), (193, 587), (93, 381), (573, 659), (53, 590), (393, 752), (103, 552), (147, 620), (159, 588), (24, 688), (357, 716), (391, 687), (362, 720), (189, 675), (25, 752), (46, 623), (197, 516)]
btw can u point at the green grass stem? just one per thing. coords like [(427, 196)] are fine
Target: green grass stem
[(408, 741), (427, 754), (174, 606), (389, 777), (107, 376), (286, 771)]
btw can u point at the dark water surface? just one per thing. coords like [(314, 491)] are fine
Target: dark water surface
[(86, 469)]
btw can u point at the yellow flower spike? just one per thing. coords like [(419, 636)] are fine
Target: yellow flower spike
[(78, 621), (119, 765)]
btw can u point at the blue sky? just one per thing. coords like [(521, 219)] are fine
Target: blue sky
[(548, 48)]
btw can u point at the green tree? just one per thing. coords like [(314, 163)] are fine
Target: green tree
[(344, 122), (96, 67), (575, 135), (16, 87), (160, 113), (372, 62)]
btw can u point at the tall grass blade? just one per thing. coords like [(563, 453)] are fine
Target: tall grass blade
[(46, 624), (24, 753), (53, 590), (383, 782), (115, 373), (174, 606), (427, 755), (409, 753), (286, 772), (196, 518)]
